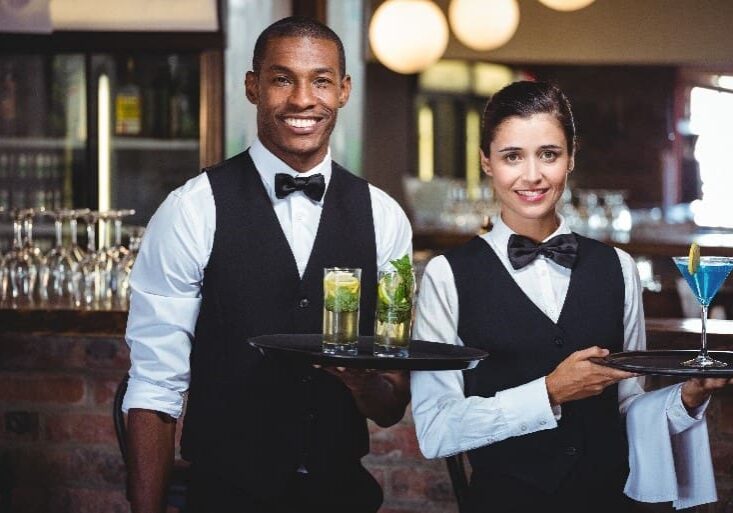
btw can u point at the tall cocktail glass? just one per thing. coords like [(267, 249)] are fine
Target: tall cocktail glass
[(393, 319), (341, 296), (705, 283)]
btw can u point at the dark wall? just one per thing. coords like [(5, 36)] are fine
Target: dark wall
[(625, 121), (389, 129)]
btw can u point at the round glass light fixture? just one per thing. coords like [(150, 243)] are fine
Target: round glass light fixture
[(484, 24), (407, 36), (566, 5)]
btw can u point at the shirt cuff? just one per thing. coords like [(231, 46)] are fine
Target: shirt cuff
[(527, 408), (680, 418), (149, 396)]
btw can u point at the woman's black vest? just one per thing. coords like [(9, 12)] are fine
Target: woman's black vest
[(524, 344), (250, 416)]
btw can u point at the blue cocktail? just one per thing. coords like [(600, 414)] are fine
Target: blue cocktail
[(705, 282)]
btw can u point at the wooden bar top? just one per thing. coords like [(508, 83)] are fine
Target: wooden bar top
[(62, 321)]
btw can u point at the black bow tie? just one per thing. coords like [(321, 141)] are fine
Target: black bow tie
[(563, 249), (313, 186)]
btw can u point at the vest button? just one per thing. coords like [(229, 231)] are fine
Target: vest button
[(310, 416), (571, 451), (559, 341), (306, 379), (303, 303)]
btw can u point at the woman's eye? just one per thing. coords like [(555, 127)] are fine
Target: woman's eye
[(511, 157), (548, 155)]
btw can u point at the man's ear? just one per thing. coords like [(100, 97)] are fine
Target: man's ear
[(345, 91), (485, 164), (251, 90)]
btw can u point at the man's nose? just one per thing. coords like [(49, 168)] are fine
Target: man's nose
[(302, 95)]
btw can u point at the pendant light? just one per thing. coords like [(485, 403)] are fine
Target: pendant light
[(566, 5), (407, 36), (484, 24)]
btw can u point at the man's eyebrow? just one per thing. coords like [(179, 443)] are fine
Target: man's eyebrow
[(277, 68)]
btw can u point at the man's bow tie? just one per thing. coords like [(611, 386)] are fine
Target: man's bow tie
[(563, 249), (313, 186)]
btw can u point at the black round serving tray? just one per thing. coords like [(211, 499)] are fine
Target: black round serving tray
[(667, 362), (423, 355)]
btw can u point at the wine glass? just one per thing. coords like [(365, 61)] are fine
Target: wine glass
[(57, 275), (92, 266), (24, 260), (116, 252), (124, 267), (77, 252), (705, 283)]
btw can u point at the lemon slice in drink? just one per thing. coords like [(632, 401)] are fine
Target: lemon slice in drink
[(340, 280), (693, 262)]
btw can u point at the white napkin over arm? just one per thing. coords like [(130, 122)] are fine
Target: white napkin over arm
[(667, 464)]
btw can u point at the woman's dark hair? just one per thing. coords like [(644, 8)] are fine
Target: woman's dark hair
[(523, 99), (296, 26)]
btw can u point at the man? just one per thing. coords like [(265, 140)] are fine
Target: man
[(239, 251)]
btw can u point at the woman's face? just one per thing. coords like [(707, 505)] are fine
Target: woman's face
[(529, 162)]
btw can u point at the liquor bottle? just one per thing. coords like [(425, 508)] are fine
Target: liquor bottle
[(128, 104), (20, 187), (8, 101), (183, 122), (157, 103), (4, 181)]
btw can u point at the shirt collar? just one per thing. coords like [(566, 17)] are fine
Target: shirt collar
[(500, 233), (268, 165)]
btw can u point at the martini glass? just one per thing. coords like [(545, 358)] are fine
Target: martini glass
[(705, 283)]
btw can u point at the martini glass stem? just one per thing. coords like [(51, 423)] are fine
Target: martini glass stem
[(703, 331)]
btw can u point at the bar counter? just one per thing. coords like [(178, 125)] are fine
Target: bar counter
[(59, 370)]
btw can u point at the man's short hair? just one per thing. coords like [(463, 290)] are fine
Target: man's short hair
[(296, 26)]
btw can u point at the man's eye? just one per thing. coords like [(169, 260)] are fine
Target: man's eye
[(281, 80), (322, 82)]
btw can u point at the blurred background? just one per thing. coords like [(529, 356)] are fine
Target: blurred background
[(105, 107)]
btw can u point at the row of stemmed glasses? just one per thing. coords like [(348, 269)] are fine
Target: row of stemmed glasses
[(68, 276)]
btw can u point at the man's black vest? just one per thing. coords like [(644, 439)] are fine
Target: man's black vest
[(254, 417), (524, 344)]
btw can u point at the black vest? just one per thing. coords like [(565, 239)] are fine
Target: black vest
[(524, 344), (251, 416)]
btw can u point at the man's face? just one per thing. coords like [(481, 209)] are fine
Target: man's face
[(298, 91)]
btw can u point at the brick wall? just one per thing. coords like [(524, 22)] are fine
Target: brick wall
[(58, 451)]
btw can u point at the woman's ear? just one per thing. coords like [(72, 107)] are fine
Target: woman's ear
[(485, 164), (571, 165)]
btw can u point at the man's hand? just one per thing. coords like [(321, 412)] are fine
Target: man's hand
[(380, 395), (577, 378), (696, 391)]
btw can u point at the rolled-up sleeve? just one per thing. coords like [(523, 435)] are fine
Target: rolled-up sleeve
[(165, 301)]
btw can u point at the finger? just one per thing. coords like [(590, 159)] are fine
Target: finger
[(316, 366), (590, 352)]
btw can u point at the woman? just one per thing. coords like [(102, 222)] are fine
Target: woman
[(542, 424)]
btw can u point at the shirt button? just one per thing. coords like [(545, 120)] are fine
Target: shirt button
[(304, 303), (571, 451), (306, 379), (523, 427), (543, 422), (559, 341), (310, 416)]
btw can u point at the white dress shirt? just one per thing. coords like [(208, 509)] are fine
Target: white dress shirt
[(169, 271), (446, 421)]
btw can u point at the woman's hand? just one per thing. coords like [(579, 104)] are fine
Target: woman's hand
[(696, 391), (577, 378)]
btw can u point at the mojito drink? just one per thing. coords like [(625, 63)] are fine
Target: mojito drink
[(341, 295), (393, 322)]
